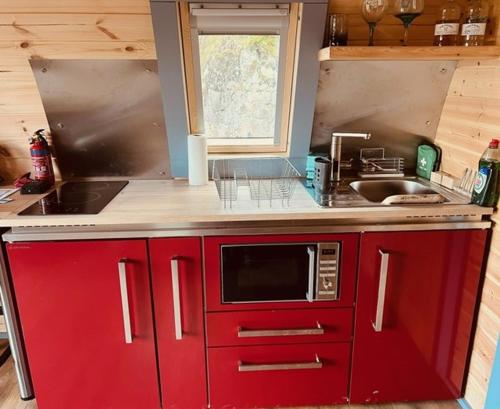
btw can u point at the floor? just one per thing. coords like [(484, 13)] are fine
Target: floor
[(9, 393), (9, 398)]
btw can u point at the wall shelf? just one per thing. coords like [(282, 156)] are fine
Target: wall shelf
[(408, 53)]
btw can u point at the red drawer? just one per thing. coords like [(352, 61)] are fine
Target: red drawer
[(284, 375), (279, 326)]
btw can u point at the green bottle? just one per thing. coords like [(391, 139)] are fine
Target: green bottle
[(485, 191)]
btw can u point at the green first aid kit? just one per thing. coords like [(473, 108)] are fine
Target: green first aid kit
[(428, 158)]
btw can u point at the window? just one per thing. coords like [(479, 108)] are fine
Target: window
[(239, 62)]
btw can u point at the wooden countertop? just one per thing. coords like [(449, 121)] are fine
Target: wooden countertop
[(174, 202)]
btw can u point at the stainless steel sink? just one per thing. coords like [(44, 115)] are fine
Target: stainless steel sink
[(396, 191)]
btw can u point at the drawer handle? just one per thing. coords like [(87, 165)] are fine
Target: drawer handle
[(176, 298), (122, 276), (384, 267), (317, 364), (253, 333)]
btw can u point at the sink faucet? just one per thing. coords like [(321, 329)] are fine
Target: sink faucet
[(336, 149)]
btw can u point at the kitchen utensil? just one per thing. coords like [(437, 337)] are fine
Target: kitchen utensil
[(375, 164), (257, 179), (322, 173)]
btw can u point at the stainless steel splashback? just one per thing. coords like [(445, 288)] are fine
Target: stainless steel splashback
[(399, 102), (105, 116)]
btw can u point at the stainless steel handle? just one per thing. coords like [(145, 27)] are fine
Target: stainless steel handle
[(317, 364), (176, 296), (384, 266), (310, 291), (122, 274), (251, 333)]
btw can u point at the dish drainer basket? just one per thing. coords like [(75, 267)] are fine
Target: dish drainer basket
[(384, 165), (375, 164), (261, 180)]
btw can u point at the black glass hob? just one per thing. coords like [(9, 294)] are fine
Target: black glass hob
[(76, 198)]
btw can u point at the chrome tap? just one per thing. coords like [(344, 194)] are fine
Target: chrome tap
[(336, 149)]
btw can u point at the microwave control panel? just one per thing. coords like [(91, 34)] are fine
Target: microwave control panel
[(327, 271)]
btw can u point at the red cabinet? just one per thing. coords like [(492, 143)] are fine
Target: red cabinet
[(85, 311), (178, 302), (87, 307), (414, 313)]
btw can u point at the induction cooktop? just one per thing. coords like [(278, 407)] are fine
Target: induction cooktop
[(76, 198)]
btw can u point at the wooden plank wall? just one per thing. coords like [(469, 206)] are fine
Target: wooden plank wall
[(390, 29), (470, 119), (83, 29)]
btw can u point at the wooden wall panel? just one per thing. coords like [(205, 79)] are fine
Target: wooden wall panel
[(75, 6), (75, 27), (57, 29), (61, 49), (470, 119)]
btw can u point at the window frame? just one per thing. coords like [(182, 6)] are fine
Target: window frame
[(286, 85)]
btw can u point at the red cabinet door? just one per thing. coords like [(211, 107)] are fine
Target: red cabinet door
[(178, 295), (75, 301), (411, 343)]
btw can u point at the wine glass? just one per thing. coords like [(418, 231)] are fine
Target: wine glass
[(373, 11), (407, 11)]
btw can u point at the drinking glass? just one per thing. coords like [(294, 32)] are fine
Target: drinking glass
[(373, 11), (338, 29), (407, 11)]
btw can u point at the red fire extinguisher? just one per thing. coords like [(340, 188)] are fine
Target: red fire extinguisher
[(41, 158)]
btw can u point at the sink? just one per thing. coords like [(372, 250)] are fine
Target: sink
[(396, 191)]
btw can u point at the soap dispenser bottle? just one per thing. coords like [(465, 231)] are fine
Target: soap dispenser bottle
[(485, 191)]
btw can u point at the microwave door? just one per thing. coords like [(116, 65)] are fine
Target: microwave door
[(258, 273)]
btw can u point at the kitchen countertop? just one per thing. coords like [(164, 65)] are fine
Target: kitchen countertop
[(173, 203)]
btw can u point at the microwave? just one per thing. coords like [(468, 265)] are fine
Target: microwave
[(279, 272)]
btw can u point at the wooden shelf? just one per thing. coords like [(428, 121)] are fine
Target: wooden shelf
[(408, 53)]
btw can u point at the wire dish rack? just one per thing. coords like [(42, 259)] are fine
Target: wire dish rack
[(375, 164), (262, 180)]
